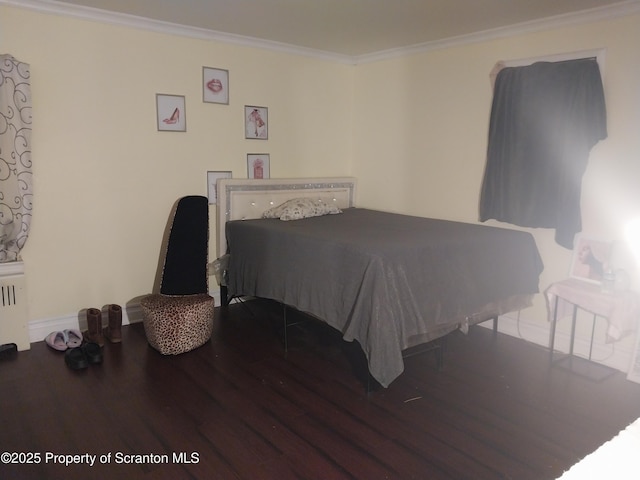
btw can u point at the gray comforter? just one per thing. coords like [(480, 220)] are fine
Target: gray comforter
[(388, 281)]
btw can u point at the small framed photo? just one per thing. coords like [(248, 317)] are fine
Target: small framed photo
[(256, 122), (215, 85), (170, 111), (591, 256), (212, 185), (634, 368), (258, 165)]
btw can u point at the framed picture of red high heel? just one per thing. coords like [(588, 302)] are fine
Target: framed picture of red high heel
[(171, 113), (215, 85)]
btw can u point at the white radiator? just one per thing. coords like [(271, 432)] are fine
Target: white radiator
[(13, 305)]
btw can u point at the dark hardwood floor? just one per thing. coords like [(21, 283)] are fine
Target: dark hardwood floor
[(237, 408)]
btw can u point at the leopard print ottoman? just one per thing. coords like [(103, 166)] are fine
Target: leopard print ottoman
[(177, 324)]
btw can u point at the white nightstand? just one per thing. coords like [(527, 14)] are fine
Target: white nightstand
[(621, 310)]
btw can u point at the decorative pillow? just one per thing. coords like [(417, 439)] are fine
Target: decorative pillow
[(299, 208)]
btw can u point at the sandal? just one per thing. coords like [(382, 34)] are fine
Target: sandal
[(57, 341), (73, 337)]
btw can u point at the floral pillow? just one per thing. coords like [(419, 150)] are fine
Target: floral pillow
[(299, 208)]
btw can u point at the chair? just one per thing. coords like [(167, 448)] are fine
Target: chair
[(180, 317)]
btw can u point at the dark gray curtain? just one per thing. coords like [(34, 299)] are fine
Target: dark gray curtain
[(545, 119)]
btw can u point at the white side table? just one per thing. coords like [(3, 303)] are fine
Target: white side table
[(621, 309)]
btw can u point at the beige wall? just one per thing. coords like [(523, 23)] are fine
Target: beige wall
[(105, 179), (421, 123), (412, 129)]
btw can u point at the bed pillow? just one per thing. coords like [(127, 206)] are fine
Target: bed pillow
[(299, 208)]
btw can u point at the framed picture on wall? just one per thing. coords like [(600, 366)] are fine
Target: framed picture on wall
[(170, 112), (590, 257), (258, 165), (212, 184), (256, 122), (215, 85)]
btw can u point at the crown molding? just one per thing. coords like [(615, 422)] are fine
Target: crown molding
[(125, 20), (628, 7)]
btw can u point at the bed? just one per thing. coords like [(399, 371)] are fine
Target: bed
[(388, 281)]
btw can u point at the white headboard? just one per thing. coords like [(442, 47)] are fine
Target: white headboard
[(244, 199)]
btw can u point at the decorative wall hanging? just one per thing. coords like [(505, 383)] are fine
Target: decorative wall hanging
[(170, 110), (215, 85), (212, 185), (256, 123), (258, 165)]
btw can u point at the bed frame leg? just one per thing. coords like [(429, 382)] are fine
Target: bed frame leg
[(372, 385), (495, 325), (284, 319), (440, 356)]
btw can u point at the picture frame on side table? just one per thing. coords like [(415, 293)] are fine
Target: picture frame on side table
[(256, 122), (634, 369), (215, 85), (170, 112), (212, 184), (258, 165), (590, 258)]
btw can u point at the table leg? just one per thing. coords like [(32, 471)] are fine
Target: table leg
[(552, 332), (573, 329), (284, 321), (593, 329)]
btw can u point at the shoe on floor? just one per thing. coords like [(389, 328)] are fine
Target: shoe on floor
[(94, 327), (8, 351), (92, 352), (113, 331), (75, 359), (73, 337), (57, 341)]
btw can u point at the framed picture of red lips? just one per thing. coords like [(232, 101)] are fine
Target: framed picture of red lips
[(215, 85)]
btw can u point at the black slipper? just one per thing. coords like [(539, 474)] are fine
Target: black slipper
[(8, 351), (75, 359), (92, 352)]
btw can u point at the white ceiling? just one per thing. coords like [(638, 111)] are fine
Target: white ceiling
[(350, 28)]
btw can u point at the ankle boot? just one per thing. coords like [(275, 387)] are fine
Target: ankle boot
[(94, 327), (113, 331)]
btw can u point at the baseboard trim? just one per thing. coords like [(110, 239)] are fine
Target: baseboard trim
[(131, 313), (39, 329)]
